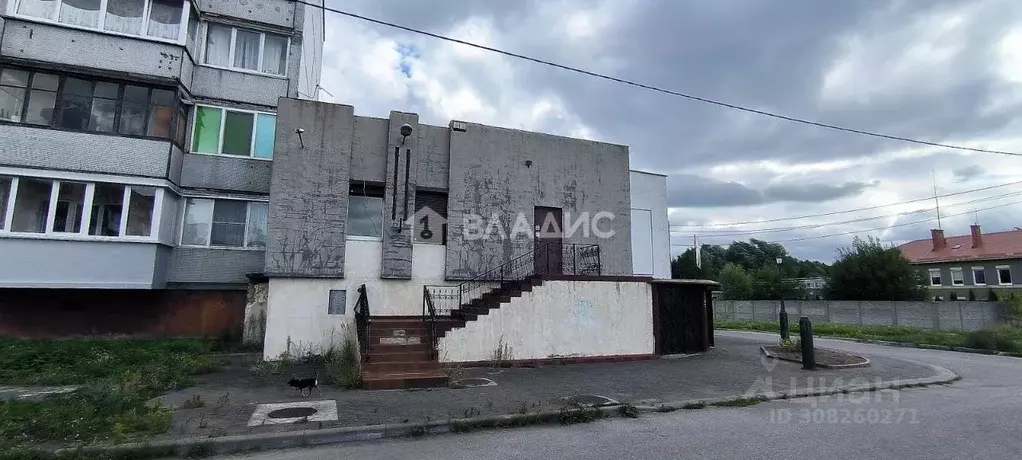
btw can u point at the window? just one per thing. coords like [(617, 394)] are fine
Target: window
[(79, 208), (365, 210), (245, 49), (151, 18), (87, 104), (430, 217), (336, 302), (979, 276), (233, 132), (224, 223), (193, 29), (934, 277), (957, 278), (1004, 274)]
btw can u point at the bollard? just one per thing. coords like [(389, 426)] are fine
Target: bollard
[(783, 317), (805, 329)]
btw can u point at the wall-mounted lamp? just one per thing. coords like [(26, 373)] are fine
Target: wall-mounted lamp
[(528, 163), (406, 130), (299, 132)]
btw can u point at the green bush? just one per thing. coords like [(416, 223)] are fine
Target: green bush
[(343, 368), (1002, 337)]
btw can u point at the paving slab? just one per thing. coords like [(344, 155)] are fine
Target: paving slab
[(734, 367)]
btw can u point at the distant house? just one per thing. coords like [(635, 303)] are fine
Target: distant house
[(812, 287), (976, 262)]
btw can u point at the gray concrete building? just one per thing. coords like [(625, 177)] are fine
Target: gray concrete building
[(136, 148)]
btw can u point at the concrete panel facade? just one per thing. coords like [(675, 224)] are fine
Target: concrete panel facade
[(213, 265), (275, 12), (88, 49), (434, 157), (229, 85), (55, 149), (220, 172), (369, 149), (504, 173), (399, 197), (308, 207), (561, 319), (39, 263)]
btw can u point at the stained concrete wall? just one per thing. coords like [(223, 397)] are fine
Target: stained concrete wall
[(238, 86), (561, 319), (195, 266), (489, 176), (369, 149), (310, 22), (649, 192), (309, 189), (275, 12), (55, 149), (967, 316), (297, 307), (254, 332), (226, 173), (399, 197), (434, 157)]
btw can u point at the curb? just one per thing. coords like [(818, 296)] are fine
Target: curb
[(308, 438), (824, 366)]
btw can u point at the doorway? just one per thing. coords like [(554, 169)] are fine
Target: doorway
[(549, 242)]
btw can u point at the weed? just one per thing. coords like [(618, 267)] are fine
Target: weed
[(573, 414), (1001, 337), (628, 410), (417, 432), (523, 408), (194, 402), (200, 450), (344, 368), (471, 412), (741, 402), (222, 401), (691, 406), (791, 346), (502, 355)]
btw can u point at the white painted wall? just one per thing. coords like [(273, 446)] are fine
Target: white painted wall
[(561, 319), (296, 309), (649, 192)]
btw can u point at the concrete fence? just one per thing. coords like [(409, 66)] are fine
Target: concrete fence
[(949, 316)]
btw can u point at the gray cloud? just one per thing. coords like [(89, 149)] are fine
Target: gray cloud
[(967, 172), (689, 190), (814, 193)]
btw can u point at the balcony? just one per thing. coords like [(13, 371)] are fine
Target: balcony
[(39, 147), (48, 263)]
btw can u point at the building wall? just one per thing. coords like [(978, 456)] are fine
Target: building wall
[(297, 307), (313, 32), (218, 172), (981, 291), (275, 12), (649, 193), (196, 266), (967, 316), (47, 263), (561, 319), (214, 83), (55, 149), (38, 313), (489, 176)]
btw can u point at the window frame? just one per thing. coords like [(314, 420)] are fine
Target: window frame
[(981, 270), (182, 33), (939, 276), (234, 41), (86, 218), (209, 232), (367, 190), (961, 276), (223, 126), (1008, 268), (93, 80)]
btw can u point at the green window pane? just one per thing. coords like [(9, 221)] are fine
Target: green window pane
[(238, 133), (265, 127), (206, 135)]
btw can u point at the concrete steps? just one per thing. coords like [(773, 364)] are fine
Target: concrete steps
[(400, 355)]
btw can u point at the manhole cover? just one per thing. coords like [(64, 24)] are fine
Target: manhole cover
[(475, 382), (292, 412), (590, 400)]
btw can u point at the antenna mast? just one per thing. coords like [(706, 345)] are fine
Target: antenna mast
[(935, 200)]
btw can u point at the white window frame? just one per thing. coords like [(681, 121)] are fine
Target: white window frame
[(1008, 268), (182, 33), (349, 236), (223, 125), (230, 55), (209, 233), (961, 276), (979, 269), (86, 217), (939, 276)]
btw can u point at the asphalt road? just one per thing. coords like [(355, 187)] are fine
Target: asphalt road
[(979, 417)]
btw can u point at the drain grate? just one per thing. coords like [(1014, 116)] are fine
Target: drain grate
[(292, 412), (590, 401)]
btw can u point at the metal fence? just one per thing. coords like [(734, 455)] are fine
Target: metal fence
[(950, 316)]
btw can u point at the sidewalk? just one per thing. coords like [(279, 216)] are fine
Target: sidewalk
[(734, 368)]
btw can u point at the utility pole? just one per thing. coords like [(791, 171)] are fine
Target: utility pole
[(699, 259)]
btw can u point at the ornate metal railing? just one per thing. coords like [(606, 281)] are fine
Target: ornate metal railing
[(362, 322), (548, 259), (429, 316)]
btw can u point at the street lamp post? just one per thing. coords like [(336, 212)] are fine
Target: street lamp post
[(783, 315)]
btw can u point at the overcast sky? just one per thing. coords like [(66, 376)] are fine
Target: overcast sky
[(941, 71)]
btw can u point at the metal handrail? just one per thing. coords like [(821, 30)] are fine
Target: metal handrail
[(362, 322), (429, 314)]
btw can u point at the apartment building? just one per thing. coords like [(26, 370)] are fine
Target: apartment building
[(136, 145), (978, 263)]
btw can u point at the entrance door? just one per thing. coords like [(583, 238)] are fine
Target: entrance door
[(549, 241)]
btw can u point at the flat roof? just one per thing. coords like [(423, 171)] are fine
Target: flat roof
[(647, 172)]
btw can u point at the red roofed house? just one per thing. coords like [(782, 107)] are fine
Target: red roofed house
[(974, 262)]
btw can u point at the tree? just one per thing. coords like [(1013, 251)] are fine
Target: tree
[(770, 284), (749, 255), (684, 266), (735, 283), (870, 271)]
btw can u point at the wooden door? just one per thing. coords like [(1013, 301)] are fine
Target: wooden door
[(549, 241)]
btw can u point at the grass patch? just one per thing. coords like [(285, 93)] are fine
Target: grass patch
[(741, 402), (628, 410), (118, 378)]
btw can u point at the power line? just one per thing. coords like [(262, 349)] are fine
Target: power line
[(851, 221), (655, 88), (833, 213)]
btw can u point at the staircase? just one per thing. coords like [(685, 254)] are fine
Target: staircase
[(401, 351)]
